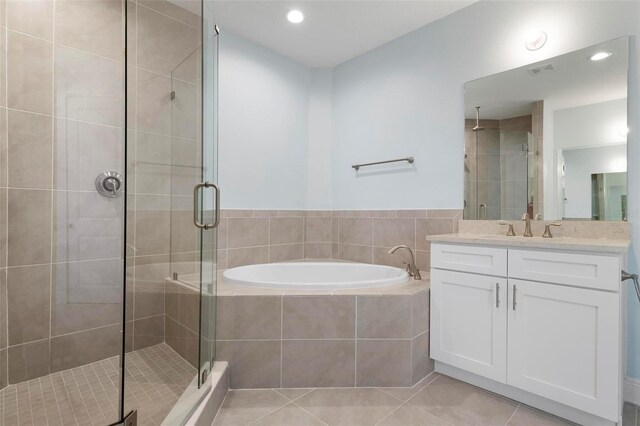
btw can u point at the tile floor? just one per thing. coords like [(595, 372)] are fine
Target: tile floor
[(437, 400), (88, 395)]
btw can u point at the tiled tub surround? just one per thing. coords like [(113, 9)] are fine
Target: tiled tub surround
[(295, 339), (181, 319), (261, 236)]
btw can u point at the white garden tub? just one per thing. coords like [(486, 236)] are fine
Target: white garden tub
[(316, 275)]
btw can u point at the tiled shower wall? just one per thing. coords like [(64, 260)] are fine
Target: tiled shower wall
[(62, 123), (482, 150), (261, 236), (513, 166), (537, 117), (497, 152)]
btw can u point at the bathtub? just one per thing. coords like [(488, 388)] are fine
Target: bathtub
[(316, 275)]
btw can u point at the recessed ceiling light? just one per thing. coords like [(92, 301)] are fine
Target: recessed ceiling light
[(295, 16), (534, 40), (600, 56)]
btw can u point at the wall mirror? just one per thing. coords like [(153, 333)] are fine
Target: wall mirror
[(550, 138)]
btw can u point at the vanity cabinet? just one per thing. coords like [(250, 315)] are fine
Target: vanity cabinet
[(470, 325), (536, 322), (562, 344)]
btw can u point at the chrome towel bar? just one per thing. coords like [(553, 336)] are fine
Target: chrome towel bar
[(409, 160)]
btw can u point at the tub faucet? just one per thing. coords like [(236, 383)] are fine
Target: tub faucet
[(527, 225), (412, 269)]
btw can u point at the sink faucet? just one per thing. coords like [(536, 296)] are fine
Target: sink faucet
[(527, 225), (412, 269)]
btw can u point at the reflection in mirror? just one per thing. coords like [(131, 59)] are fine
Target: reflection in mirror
[(549, 139)]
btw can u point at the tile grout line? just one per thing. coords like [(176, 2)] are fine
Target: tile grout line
[(402, 401), (281, 338), (307, 411), (5, 173), (52, 197), (66, 391), (392, 411), (355, 339), (82, 394), (57, 408), (102, 407), (513, 414), (268, 238), (55, 43), (271, 412), (93, 392), (412, 336), (423, 409), (55, 395), (168, 16)]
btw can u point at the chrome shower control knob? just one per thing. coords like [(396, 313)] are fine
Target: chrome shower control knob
[(109, 184)]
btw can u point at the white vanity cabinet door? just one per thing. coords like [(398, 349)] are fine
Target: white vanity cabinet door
[(563, 345), (469, 322)]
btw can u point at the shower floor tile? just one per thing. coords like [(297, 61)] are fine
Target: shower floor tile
[(88, 395)]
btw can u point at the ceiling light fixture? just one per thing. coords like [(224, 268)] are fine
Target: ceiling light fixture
[(534, 40), (600, 56), (295, 16)]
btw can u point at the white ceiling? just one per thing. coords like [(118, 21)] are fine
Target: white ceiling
[(332, 31), (574, 81)]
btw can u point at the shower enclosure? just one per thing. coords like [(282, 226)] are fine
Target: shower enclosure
[(500, 169), (107, 124)]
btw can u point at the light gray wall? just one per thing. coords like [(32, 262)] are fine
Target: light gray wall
[(590, 125), (580, 165), (263, 126)]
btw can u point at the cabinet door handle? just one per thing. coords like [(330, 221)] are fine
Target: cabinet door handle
[(497, 295), (514, 297)]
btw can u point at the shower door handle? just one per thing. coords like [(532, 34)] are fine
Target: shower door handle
[(196, 205)]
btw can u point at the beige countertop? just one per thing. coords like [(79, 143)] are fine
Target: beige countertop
[(602, 245)]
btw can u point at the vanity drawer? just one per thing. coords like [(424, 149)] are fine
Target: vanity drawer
[(583, 270), (474, 259)]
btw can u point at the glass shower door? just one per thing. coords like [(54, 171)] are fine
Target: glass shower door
[(211, 199), (172, 210)]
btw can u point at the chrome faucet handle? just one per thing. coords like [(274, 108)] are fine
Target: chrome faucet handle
[(510, 232), (413, 271), (527, 226), (547, 230), (416, 274)]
